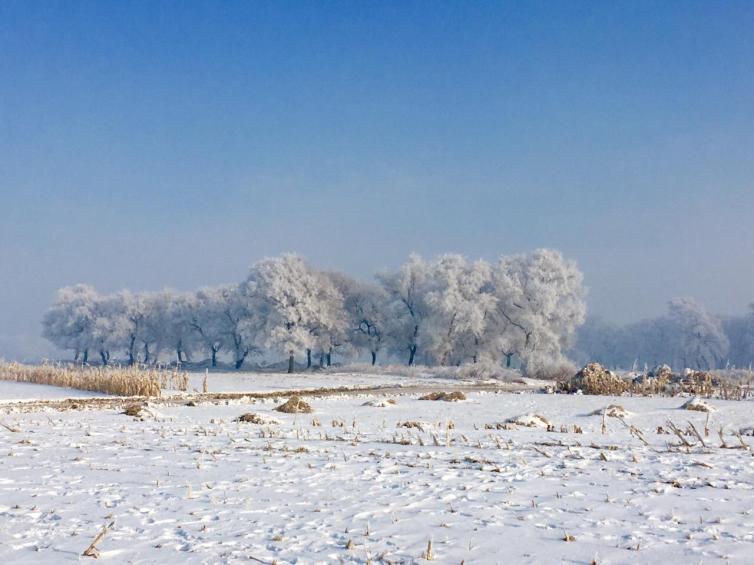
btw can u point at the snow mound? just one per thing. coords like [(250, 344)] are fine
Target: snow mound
[(295, 406), (612, 411), (259, 419), (142, 411), (699, 405), (380, 403), (530, 420)]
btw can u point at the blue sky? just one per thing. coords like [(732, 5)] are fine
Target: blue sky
[(145, 145)]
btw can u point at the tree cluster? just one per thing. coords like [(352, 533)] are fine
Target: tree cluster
[(687, 336), (447, 311)]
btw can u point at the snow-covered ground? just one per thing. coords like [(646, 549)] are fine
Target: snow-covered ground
[(267, 382), (348, 483), (13, 391)]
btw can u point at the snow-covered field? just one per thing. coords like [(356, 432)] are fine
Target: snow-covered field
[(348, 484), (267, 382), (13, 391)]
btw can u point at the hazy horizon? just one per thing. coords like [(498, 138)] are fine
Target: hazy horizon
[(145, 146)]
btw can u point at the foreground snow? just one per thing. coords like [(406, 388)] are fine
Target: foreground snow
[(347, 483)]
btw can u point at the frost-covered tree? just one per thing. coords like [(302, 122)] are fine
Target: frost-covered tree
[(740, 333), (179, 333), (540, 304), (687, 336), (450, 310), (110, 326), (237, 323), (366, 315), (69, 324), (206, 318), (130, 312), (329, 325), (603, 342), (154, 331), (407, 309), (294, 304), (701, 342), (459, 303)]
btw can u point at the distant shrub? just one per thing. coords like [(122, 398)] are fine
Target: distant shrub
[(557, 371)]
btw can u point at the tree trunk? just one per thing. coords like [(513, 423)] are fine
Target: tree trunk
[(321, 359), (214, 357), (179, 354), (329, 357), (374, 358), (290, 362), (146, 353), (85, 360), (239, 362), (308, 358), (76, 356), (412, 354), (508, 357), (131, 358)]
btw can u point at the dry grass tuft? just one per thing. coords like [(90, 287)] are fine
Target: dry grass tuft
[(134, 410), (92, 550), (454, 396), (118, 381), (295, 406), (595, 379), (500, 426), (428, 553), (412, 424)]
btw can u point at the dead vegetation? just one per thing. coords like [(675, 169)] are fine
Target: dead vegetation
[(595, 379), (412, 424), (134, 410), (295, 405), (258, 419), (454, 396), (118, 381), (92, 550)]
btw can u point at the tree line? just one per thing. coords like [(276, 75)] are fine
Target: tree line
[(686, 336), (445, 311)]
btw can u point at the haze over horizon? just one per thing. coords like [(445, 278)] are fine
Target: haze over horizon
[(150, 145)]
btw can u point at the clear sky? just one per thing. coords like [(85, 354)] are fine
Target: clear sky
[(172, 144)]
